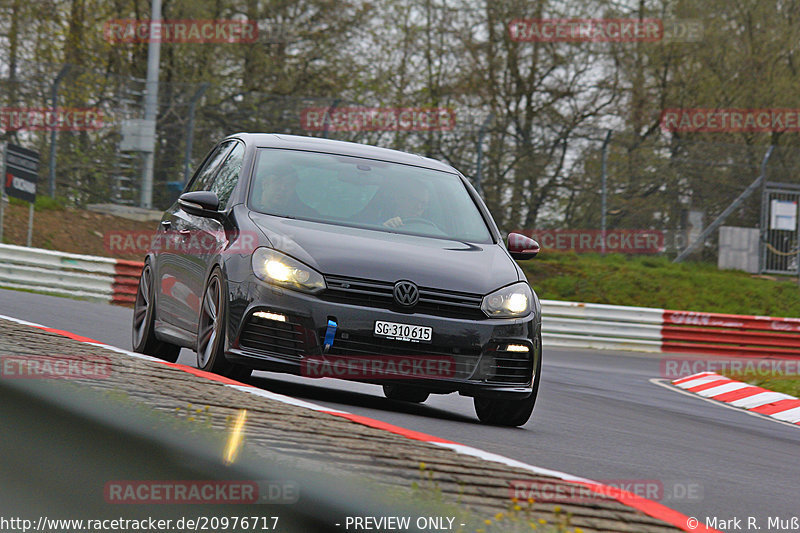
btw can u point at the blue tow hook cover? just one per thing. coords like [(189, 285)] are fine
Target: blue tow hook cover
[(329, 334)]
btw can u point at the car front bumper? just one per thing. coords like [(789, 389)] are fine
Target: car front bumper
[(465, 355)]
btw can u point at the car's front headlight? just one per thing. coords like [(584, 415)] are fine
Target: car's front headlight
[(275, 267), (513, 301)]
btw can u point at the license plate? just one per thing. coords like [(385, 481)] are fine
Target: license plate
[(403, 332)]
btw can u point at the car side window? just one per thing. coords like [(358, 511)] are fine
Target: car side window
[(228, 175), (202, 179)]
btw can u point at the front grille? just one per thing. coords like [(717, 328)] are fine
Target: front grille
[(274, 337), (356, 345), (508, 367), (378, 294)]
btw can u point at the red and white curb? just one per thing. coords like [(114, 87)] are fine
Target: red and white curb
[(648, 507), (765, 402)]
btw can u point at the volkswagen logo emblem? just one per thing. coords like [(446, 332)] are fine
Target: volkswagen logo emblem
[(406, 293)]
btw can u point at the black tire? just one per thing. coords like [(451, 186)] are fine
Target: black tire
[(143, 337), (499, 412), (211, 331), (405, 394)]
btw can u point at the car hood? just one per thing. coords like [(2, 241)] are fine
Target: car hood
[(383, 256)]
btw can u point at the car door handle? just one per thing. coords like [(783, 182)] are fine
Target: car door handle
[(166, 223), (184, 232)]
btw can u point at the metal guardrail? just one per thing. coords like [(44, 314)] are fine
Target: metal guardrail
[(82, 276), (564, 324), (601, 326)]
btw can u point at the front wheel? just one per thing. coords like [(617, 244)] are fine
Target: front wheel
[(211, 330), (504, 412), (144, 314), (499, 412)]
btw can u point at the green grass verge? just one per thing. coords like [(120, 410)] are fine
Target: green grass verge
[(654, 281), (786, 385), (43, 203)]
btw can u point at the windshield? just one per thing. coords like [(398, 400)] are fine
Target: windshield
[(361, 192)]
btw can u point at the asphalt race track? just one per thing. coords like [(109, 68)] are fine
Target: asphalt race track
[(598, 416)]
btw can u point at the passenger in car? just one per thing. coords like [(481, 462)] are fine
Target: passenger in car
[(393, 205)]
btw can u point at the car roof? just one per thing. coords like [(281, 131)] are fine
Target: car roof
[(317, 144)]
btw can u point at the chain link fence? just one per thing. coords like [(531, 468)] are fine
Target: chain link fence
[(674, 186), (653, 182), (92, 163)]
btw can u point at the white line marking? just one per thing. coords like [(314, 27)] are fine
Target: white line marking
[(23, 322), (488, 456), (284, 399), (126, 352)]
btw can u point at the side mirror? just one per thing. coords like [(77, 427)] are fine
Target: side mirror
[(522, 247), (200, 203)]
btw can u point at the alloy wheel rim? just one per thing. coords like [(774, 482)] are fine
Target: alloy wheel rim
[(141, 306), (209, 323)]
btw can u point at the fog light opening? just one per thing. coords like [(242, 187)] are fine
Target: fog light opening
[(277, 317), (516, 348)]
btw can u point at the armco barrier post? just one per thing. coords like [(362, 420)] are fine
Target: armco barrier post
[(603, 200), (3, 191)]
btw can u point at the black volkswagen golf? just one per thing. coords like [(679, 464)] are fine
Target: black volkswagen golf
[(332, 259)]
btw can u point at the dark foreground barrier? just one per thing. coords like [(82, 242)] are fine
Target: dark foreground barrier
[(69, 453)]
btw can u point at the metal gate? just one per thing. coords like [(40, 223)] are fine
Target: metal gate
[(779, 250)]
